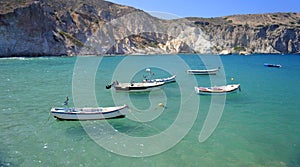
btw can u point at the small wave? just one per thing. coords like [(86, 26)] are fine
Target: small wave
[(26, 58)]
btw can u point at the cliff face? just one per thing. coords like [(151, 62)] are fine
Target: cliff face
[(267, 33), (76, 27), (29, 31)]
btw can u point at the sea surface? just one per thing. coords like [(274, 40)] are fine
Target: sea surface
[(257, 126)]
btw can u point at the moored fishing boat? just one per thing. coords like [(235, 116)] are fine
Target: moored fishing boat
[(272, 65), (166, 80), (88, 113), (149, 77), (218, 89), (204, 72), (135, 87)]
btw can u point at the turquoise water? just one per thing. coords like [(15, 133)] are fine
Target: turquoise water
[(259, 125)]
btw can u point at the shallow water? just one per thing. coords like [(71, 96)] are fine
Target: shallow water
[(259, 126)]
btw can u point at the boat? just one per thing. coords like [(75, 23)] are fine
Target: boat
[(88, 113), (272, 65), (135, 87), (218, 89), (149, 77), (166, 80), (204, 72)]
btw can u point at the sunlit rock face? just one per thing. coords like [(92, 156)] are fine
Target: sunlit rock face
[(77, 27)]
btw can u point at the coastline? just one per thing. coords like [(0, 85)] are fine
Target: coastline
[(61, 30), (158, 54)]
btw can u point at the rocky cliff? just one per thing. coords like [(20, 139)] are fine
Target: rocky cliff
[(77, 27), (260, 33)]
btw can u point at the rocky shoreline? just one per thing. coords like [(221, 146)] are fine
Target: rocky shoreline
[(69, 28)]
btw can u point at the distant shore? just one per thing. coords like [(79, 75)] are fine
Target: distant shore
[(42, 28), (115, 55)]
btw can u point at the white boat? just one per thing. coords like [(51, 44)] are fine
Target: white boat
[(272, 65), (218, 89), (166, 80), (88, 113), (149, 77), (204, 72), (136, 87)]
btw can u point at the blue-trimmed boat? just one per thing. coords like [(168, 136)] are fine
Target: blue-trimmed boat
[(272, 65), (89, 113), (165, 80), (204, 72), (149, 78)]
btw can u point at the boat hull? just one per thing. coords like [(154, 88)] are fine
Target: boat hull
[(166, 80), (88, 113), (138, 87), (203, 72), (272, 65), (218, 90)]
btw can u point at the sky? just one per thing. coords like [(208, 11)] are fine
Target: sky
[(212, 8)]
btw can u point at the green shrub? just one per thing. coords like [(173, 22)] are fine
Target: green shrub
[(238, 48), (71, 38)]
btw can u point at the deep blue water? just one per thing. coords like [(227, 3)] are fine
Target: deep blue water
[(259, 125)]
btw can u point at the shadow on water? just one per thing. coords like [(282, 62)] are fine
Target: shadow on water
[(133, 129), (81, 132), (76, 133), (126, 126)]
